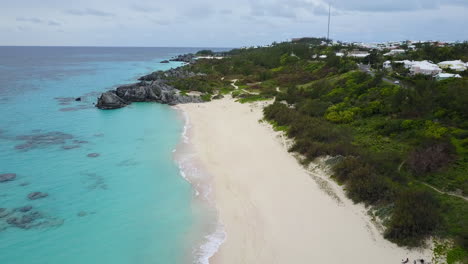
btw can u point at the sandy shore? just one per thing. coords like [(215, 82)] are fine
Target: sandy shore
[(273, 210)]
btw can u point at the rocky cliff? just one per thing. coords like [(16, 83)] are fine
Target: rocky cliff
[(153, 87)]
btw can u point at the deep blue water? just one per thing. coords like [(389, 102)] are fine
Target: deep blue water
[(127, 205)]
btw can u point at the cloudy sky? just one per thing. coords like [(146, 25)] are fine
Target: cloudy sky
[(225, 23)]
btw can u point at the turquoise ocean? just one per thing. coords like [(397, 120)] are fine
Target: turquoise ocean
[(115, 193)]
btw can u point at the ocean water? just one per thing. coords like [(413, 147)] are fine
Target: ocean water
[(115, 192)]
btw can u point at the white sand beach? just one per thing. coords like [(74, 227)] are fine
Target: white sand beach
[(272, 209)]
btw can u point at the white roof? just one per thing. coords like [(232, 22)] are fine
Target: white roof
[(457, 65), (340, 54), (454, 62), (423, 65), (323, 56), (210, 57), (448, 75), (359, 55)]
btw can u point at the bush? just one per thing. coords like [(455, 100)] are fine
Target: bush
[(430, 157), (363, 184), (415, 217)]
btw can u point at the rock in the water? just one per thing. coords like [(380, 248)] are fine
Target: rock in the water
[(153, 87), (78, 99), (164, 61), (4, 212), (7, 177), (37, 195), (25, 209), (93, 155), (109, 100), (82, 213), (25, 221), (70, 147)]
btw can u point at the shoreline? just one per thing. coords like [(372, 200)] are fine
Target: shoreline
[(209, 234), (262, 193)]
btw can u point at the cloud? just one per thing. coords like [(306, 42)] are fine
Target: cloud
[(145, 8), (270, 9), (226, 12), (292, 9), (199, 12), (392, 5), (89, 12), (36, 20), (53, 23)]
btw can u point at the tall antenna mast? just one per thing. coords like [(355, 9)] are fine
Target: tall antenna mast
[(328, 32)]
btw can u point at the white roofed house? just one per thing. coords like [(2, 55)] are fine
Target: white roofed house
[(387, 65), (425, 68), (443, 76), (358, 54), (395, 52), (339, 54), (421, 67), (456, 65)]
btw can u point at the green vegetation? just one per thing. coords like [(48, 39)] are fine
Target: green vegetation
[(394, 140)]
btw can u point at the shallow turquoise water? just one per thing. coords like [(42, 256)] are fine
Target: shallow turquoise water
[(129, 204)]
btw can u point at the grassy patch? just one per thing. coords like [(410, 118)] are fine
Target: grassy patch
[(250, 98)]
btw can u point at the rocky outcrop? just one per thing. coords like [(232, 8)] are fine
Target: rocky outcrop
[(217, 97), (25, 209), (177, 73), (37, 195), (164, 61), (7, 177), (4, 212), (25, 221), (187, 58), (153, 87), (109, 100)]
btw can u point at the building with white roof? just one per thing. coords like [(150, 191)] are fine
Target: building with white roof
[(358, 54), (421, 67), (456, 65), (339, 54), (387, 65), (395, 52), (443, 76)]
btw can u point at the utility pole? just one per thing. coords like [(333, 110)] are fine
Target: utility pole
[(328, 32)]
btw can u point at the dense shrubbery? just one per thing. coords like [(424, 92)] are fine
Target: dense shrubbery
[(363, 183), (430, 157), (416, 216)]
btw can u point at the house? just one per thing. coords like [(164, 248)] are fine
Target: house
[(323, 56), (443, 76), (425, 68), (339, 54), (358, 54), (421, 67), (395, 52), (456, 65), (387, 65)]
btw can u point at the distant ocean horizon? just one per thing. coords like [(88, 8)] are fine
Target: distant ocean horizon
[(115, 194)]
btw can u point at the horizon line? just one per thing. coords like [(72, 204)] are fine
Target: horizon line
[(96, 46)]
